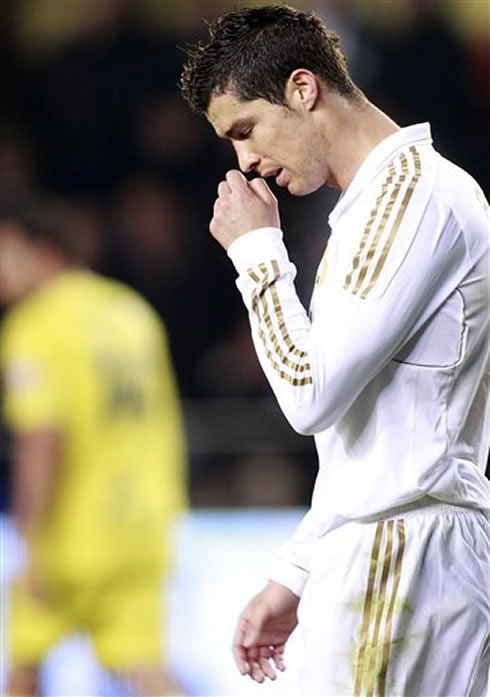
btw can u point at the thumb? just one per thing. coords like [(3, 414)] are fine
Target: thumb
[(260, 187), (236, 180)]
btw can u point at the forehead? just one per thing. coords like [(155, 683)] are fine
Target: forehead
[(226, 111)]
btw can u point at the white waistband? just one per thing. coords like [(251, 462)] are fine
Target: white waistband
[(423, 506)]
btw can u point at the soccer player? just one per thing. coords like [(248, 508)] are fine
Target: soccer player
[(98, 456), (388, 368)]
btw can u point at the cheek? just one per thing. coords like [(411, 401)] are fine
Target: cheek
[(303, 153), (311, 176), (316, 167)]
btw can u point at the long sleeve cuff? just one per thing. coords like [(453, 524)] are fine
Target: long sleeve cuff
[(290, 576), (255, 247)]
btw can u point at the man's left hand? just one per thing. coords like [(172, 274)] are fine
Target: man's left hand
[(242, 206)]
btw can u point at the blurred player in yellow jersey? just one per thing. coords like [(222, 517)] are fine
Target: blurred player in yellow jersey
[(98, 458)]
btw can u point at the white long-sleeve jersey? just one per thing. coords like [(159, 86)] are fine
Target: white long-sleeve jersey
[(390, 368)]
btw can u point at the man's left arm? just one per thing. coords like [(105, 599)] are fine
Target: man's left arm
[(35, 413), (36, 457)]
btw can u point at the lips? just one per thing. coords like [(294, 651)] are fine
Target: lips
[(282, 178), (279, 173), (270, 173)]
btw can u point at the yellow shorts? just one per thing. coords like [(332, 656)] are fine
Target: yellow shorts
[(123, 616)]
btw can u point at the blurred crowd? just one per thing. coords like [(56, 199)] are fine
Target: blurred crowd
[(91, 110)]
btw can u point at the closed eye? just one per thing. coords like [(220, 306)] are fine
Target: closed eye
[(240, 130), (243, 135)]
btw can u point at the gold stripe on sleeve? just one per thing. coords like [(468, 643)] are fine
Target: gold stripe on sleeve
[(258, 292), (296, 366), (267, 319), (367, 229), (259, 296), (280, 317), (401, 212), (282, 373), (382, 224)]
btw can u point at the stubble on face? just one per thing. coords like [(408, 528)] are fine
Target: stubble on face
[(284, 142)]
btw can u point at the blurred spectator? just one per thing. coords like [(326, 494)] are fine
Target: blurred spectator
[(90, 92), (268, 481), (154, 244), (17, 167), (418, 69), (230, 367), (98, 455)]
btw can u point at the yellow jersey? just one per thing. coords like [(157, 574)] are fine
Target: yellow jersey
[(88, 357)]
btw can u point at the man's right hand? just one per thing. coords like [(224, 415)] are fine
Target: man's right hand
[(263, 629)]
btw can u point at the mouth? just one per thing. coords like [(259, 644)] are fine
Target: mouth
[(282, 178), (270, 173), (280, 175)]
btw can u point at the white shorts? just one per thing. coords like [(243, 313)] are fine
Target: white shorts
[(400, 607)]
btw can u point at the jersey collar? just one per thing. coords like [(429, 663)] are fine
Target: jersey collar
[(376, 160)]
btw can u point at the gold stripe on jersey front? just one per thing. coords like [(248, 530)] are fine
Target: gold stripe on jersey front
[(401, 212), (322, 268)]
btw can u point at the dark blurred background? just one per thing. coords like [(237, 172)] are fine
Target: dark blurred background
[(90, 109)]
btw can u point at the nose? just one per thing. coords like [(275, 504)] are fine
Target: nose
[(247, 160)]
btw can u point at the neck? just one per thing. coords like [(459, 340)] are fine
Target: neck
[(352, 129)]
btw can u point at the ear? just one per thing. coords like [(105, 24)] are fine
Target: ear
[(303, 89)]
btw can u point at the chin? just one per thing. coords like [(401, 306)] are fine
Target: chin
[(303, 188)]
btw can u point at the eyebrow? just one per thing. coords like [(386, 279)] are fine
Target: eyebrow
[(236, 127)]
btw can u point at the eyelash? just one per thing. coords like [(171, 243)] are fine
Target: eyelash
[(244, 134)]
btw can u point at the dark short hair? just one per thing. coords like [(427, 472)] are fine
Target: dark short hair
[(50, 220), (252, 52)]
